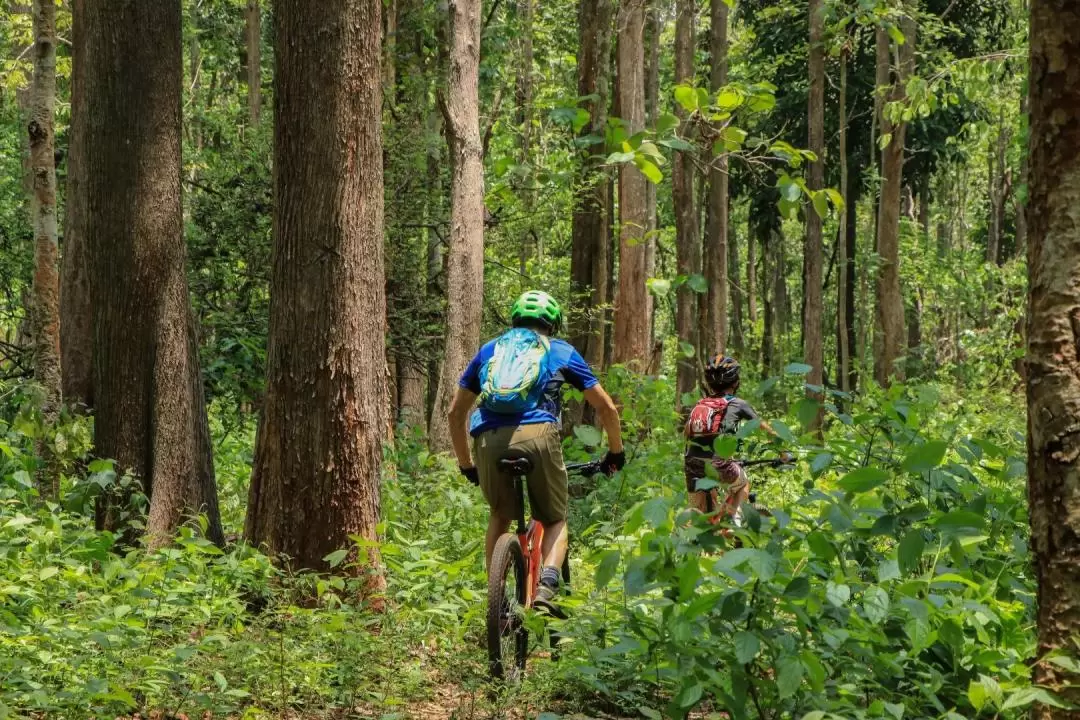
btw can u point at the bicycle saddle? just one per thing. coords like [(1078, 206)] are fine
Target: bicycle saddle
[(515, 462)]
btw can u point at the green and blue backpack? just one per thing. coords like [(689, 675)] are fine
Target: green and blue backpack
[(512, 382)]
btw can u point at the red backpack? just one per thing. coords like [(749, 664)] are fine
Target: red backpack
[(707, 417)]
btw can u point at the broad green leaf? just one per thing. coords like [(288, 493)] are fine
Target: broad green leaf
[(821, 546), (666, 123), (726, 446), (789, 672), (862, 479), (895, 34), (689, 695), (821, 204), (698, 283), (959, 520), (686, 349), (820, 462), (747, 646), (649, 170), (837, 593), (797, 368), (687, 97), (909, 552), (620, 157), (659, 287), (798, 588), (1026, 696), (48, 572), (605, 570), (815, 671), (729, 99), (676, 144), (782, 431), (335, 558), (761, 103), (888, 570), (588, 435), (835, 198), (924, 457), (876, 604)]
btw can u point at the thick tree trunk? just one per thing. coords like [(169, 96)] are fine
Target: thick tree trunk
[(843, 345), (813, 307), (410, 391), (465, 269), (318, 454), (590, 239), (76, 323), (1020, 191), (716, 252), (46, 304), (652, 96), (631, 342), (889, 324), (1053, 384), (253, 33), (150, 415), (687, 240), (1001, 189)]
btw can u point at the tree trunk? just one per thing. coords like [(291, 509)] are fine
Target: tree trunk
[(843, 321), (524, 98), (652, 96), (687, 240), (150, 415), (1020, 191), (76, 322), (1053, 385), (590, 240), (465, 270), (813, 308), (632, 327), (46, 303), (389, 49), (751, 270), (318, 454), (716, 251), (253, 31), (993, 230), (1001, 190), (410, 391), (738, 342), (890, 303)]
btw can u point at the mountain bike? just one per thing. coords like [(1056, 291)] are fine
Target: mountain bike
[(714, 503), (514, 575)]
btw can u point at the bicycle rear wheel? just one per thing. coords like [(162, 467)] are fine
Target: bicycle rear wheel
[(507, 636)]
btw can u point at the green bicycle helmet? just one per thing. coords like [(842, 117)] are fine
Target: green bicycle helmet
[(537, 306)]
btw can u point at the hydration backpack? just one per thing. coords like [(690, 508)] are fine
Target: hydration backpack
[(707, 417), (513, 380)]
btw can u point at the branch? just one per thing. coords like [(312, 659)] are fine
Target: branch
[(490, 15), (491, 123)]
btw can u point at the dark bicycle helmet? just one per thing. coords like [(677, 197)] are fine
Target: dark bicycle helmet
[(721, 372)]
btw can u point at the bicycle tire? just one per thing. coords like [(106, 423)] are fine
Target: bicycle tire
[(507, 563)]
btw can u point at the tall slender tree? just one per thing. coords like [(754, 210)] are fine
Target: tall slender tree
[(1053, 386), (889, 325), (632, 326), (715, 250), (150, 414), (591, 240), (687, 240), (813, 308), (46, 305), (253, 36), (315, 479), (465, 264)]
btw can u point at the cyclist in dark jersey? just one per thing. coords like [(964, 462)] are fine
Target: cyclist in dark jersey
[(720, 412)]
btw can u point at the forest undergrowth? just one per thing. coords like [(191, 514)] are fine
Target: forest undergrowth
[(891, 581)]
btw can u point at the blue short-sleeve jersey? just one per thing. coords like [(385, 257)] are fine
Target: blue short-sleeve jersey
[(567, 366)]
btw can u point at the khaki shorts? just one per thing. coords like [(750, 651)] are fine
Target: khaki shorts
[(542, 444)]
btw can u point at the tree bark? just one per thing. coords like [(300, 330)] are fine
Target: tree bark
[(687, 240), (716, 251), (465, 269), (76, 323), (738, 341), (813, 308), (46, 302), (890, 304), (1053, 383), (590, 240), (631, 342), (652, 96), (410, 401), (1020, 191), (150, 414), (843, 321), (253, 32), (751, 271), (318, 454)]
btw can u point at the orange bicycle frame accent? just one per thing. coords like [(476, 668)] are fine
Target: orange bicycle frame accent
[(531, 543)]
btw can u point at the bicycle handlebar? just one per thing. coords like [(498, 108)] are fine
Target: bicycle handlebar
[(585, 469), (772, 462)]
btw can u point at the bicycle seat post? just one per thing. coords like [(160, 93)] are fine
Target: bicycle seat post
[(517, 466), (519, 491)]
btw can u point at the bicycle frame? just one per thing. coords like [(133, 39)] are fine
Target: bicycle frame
[(531, 537)]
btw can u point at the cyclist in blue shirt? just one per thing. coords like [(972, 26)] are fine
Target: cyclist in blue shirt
[(534, 432)]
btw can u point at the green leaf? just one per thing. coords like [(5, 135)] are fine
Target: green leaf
[(48, 572), (620, 157), (649, 170), (820, 462), (789, 672), (588, 435), (984, 690), (959, 520), (221, 682), (666, 123), (686, 349), (725, 446), (798, 368), (909, 552), (821, 204), (791, 192), (835, 198), (876, 604), (782, 431), (676, 144), (761, 103), (798, 588), (1028, 695), (689, 695), (687, 97), (729, 99), (335, 558), (837, 593), (698, 283), (927, 456), (895, 34), (605, 570), (659, 287), (815, 671), (821, 546), (747, 646), (888, 570), (862, 479)]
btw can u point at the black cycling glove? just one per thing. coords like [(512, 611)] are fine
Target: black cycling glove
[(471, 474), (613, 461)]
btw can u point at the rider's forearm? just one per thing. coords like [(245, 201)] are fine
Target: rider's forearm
[(458, 418), (609, 418)]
